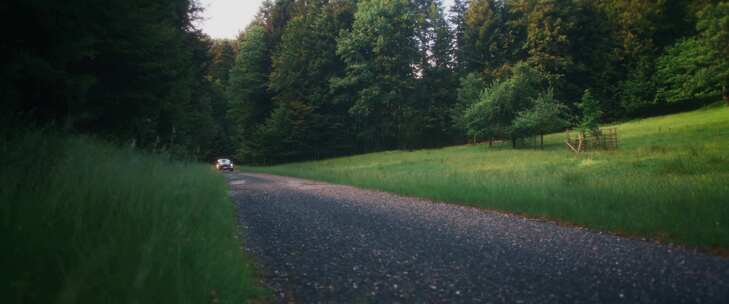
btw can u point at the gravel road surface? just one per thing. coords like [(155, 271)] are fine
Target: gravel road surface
[(322, 243)]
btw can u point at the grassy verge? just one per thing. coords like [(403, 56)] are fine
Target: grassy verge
[(669, 180), (84, 222)]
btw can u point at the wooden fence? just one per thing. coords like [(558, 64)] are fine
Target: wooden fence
[(604, 139)]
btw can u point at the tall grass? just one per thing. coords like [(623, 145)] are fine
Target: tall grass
[(669, 180), (85, 222)]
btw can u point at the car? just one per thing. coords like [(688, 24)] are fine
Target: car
[(224, 164)]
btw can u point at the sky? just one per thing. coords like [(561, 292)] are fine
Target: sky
[(226, 18)]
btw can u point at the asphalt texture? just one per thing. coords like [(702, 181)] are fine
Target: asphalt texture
[(322, 243)]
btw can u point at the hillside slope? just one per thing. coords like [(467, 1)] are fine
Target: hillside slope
[(667, 181)]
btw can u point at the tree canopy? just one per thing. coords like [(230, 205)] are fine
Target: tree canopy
[(309, 79)]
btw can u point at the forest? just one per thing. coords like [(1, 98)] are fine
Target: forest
[(312, 79)]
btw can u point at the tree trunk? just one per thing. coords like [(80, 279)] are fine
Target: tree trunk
[(541, 141), (513, 142)]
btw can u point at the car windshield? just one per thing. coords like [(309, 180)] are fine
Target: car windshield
[(224, 161)]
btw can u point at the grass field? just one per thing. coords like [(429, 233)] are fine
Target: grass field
[(85, 222), (669, 180)]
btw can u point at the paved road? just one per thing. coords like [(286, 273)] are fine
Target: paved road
[(320, 243)]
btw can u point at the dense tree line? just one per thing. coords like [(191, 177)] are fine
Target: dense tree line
[(325, 78), (131, 71), (310, 79)]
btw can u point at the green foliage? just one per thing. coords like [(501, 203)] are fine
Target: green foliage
[(690, 71), (592, 49), (517, 107), (637, 91), (590, 113), (306, 58), (274, 15), (95, 223), (249, 103), (427, 122), (696, 69), (549, 25), (484, 37), (288, 134), (493, 115), (714, 28), (379, 53), (223, 54), (643, 29), (390, 78), (303, 67), (458, 20), (469, 92), (375, 74), (713, 25), (197, 121), (545, 116), (129, 71), (667, 181)]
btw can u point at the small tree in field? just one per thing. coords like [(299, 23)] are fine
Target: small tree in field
[(543, 117), (591, 113), (499, 104)]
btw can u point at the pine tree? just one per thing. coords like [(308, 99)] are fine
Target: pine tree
[(223, 57), (124, 70), (595, 63), (458, 20), (484, 32), (428, 124), (550, 24), (223, 54), (303, 66), (643, 29), (380, 52), (249, 102)]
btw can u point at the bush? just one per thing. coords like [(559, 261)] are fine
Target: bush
[(690, 72)]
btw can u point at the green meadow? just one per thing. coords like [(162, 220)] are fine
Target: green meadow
[(669, 179), (86, 222)]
